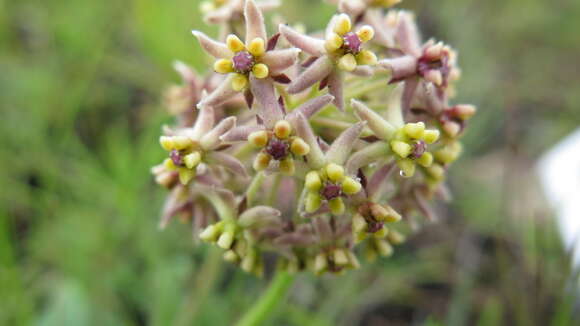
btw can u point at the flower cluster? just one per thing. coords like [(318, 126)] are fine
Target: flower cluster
[(291, 143)]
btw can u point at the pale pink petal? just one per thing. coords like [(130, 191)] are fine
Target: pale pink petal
[(335, 87), (214, 48), (383, 34), (407, 34), (379, 126), (211, 139), (204, 122), (310, 108), (379, 179), (223, 93), (342, 146), (409, 90), (239, 134), (259, 216), (321, 68), (254, 22), (263, 90), (401, 67), (306, 43), (363, 71), (228, 161), (280, 60)]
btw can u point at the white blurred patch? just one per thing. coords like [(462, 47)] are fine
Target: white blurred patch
[(559, 172)]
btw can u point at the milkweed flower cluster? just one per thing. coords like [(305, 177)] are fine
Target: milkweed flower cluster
[(312, 149)]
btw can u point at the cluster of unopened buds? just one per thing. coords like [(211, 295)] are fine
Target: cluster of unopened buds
[(309, 149)]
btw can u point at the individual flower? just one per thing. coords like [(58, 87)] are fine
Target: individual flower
[(327, 182), (371, 12), (342, 50), (407, 141), (371, 219), (432, 62), (189, 147), (233, 232), (335, 253), (276, 134), (246, 62)]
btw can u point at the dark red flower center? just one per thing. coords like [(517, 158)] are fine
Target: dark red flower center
[(374, 227), (176, 158), (352, 43), (277, 148), (418, 149), (331, 191), (243, 61)]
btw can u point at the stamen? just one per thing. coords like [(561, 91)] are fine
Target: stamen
[(176, 158), (418, 149), (278, 149), (352, 43), (243, 61), (331, 191)]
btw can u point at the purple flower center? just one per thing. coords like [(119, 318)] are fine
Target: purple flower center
[(352, 42), (331, 191), (374, 227), (243, 61), (418, 149), (176, 158), (278, 149)]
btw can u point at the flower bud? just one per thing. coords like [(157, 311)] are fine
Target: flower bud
[(395, 237), (340, 257), (192, 160), (313, 182), (166, 142), (262, 161), (401, 148), (414, 130), (260, 70), (239, 82), (431, 136), (257, 47), (185, 175), (342, 25), (234, 43), (350, 186), (313, 202), (407, 167), (333, 42), (347, 62), (365, 33), (334, 172), (226, 239), (366, 57), (282, 129), (384, 248), (287, 166), (258, 138), (426, 159), (336, 206), (223, 66), (299, 147)]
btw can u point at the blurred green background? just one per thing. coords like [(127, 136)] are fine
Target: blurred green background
[(80, 88)]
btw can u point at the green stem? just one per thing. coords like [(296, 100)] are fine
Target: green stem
[(269, 300)]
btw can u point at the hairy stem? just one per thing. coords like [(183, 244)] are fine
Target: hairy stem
[(269, 300)]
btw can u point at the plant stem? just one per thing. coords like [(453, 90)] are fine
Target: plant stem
[(269, 300)]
